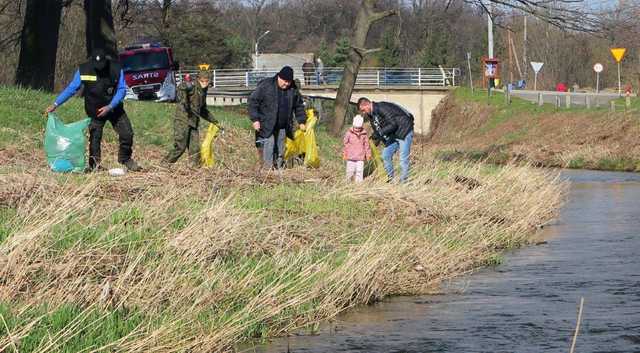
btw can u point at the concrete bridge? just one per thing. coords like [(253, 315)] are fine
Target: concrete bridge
[(420, 101), (419, 90)]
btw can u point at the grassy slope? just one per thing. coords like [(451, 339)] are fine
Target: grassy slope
[(474, 126), (180, 259)]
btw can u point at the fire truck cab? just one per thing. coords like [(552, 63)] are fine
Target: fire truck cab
[(149, 72)]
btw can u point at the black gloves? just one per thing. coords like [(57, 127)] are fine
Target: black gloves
[(376, 138)]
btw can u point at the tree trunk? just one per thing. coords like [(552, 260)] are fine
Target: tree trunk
[(100, 32), (366, 17), (39, 44), (166, 7)]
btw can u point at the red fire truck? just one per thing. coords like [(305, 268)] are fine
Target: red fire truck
[(149, 72)]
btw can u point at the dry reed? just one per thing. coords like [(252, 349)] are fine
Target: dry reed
[(208, 264)]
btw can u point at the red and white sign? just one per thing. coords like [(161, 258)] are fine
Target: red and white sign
[(536, 66), (598, 67)]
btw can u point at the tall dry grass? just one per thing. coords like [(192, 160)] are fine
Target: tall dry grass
[(160, 263)]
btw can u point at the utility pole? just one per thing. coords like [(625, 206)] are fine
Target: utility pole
[(510, 55), (470, 75), (524, 49), (490, 30)]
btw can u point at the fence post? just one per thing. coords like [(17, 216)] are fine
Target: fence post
[(557, 101), (613, 106), (378, 78), (419, 77), (568, 101), (627, 101), (453, 77), (507, 95), (587, 101), (214, 78), (540, 100), (246, 78)]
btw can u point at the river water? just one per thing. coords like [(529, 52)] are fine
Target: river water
[(530, 302)]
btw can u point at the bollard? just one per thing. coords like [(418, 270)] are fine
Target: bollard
[(613, 106), (587, 101), (568, 101), (557, 102), (540, 101), (627, 101)]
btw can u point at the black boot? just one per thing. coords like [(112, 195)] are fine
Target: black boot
[(132, 166)]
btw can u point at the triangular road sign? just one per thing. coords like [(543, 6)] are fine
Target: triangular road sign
[(536, 66), (618, 53)]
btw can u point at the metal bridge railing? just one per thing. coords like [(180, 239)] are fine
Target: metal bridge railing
[(367, 76)]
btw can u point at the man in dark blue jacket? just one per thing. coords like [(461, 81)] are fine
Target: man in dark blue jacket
[(393, 125), (271, 108), (104, 90)]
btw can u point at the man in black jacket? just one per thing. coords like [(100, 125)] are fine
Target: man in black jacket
[(271, 108), (393, 125)]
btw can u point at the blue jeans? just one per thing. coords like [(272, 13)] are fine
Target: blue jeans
[(405, 149), (273, 149)]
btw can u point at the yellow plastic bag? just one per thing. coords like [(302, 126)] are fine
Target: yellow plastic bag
[(375, 166), (311, 154), (305, 142), (295, 147), (206, 148)]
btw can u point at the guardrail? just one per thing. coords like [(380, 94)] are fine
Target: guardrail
[(368, 76), (567, 99)]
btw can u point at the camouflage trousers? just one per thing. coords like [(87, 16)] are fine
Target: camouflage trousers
[(185, 137)]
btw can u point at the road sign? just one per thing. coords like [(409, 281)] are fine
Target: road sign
[(618, 53), (536, 66), (598, 67)]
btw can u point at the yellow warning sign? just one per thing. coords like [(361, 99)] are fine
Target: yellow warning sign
[(618, 53)]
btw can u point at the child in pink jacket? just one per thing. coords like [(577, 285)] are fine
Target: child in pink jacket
[(356, 149)]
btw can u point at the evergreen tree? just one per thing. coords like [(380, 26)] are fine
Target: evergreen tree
[(342, 52), (198, 38), (389, 56), (325, 55), (240, 51), (435, 51)]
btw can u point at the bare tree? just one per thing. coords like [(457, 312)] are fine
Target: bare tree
[(367, 15), (566, 15), (10, 30), (39, 44), (257, 6)]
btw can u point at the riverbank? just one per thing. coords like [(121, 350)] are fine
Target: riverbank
[(529, 302), (175, 259), (470, 126)]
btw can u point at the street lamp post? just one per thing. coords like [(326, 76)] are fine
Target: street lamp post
[(258, 41)]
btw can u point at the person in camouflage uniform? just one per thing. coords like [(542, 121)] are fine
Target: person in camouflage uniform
[(192, 105)]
